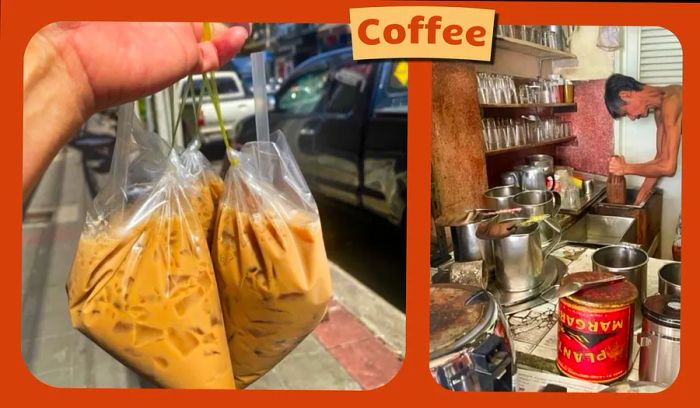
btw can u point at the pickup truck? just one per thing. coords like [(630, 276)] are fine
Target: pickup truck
[(346, 123), (236, 104)]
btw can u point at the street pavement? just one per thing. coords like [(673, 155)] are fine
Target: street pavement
[(359, 346)]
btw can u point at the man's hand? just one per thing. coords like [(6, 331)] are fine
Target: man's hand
[(119, 62), (616, 165), (72, 70)]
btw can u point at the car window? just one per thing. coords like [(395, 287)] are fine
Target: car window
[(304, 94), (392, 94), (225, 86), (347, 82)]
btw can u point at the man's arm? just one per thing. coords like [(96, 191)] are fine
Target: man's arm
[(664, 165), (51, 114), (649, 182)]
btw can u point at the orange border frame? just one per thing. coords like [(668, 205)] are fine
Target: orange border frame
[(413, 384)]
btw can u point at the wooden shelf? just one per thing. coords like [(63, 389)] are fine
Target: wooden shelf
[(530, 146), (526, 105), (529, 48), (517, 110)]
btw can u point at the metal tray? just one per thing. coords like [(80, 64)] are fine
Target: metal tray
[(599, 188)]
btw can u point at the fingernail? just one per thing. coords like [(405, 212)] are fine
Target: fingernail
[(248, 27)]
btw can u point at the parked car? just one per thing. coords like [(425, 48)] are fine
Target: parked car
[(346, 123), (236, 104)]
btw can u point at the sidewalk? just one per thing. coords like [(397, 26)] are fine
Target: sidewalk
[(360, 345)]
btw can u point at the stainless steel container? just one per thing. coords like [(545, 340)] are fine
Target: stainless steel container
[(538, 202), (660, 339), (519, 258), (670, 279), (471, 348), (628, 261), (467, 247), (532, 178), (500, 198), (543, 161)]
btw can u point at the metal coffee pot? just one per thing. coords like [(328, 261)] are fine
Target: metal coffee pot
[(532, 178), (520, 258), (540, 202), (467, 247)]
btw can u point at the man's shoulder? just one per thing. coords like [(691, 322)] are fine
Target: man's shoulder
[(673, 100)]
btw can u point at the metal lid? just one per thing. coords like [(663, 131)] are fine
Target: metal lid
[(454, 322), (664, 310), (611, 295)]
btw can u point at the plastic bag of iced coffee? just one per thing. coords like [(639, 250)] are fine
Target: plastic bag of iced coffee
[(269, 258), (142, 284), (207, 186)]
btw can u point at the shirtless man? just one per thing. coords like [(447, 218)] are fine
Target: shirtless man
[(625, 96)]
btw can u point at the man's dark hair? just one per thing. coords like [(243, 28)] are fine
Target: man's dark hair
[(613, 86)]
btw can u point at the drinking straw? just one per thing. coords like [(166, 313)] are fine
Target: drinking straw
[(262, 125)]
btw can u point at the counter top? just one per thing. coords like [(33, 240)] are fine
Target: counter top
[(535, 331)]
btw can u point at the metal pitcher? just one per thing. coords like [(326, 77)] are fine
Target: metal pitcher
[(520, 258), (538, 202), (510, 178), (532, 178), (541, 202), (543, 161), (467, 247)]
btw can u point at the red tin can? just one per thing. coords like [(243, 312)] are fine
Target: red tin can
[(595, 329)]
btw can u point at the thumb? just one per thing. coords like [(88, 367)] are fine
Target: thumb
[(213, 54)]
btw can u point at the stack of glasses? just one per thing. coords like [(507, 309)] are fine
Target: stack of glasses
[(502, 133), (550, 36), (496, 89)]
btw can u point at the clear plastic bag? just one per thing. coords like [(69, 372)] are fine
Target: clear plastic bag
[(269, 258), (142, 284), (207, 187)]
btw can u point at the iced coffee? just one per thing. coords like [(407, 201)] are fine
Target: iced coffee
[(207, 192), (274, 284), (148, 296)]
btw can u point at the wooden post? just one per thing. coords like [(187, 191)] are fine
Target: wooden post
[(458, 157)]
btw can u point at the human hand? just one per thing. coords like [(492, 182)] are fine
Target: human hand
[(616, 165), (116, 62), (74, 69)]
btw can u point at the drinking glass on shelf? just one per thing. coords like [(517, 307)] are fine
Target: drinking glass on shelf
[(535, 93), (565, 129), (501, 87), (510, 128), (489, 125), (512, 90), (520, 132), (535, 131), (506, 31), (496, 94), (524, 94), (481, 84)]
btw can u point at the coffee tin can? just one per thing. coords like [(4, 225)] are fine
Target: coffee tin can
[(595, 329)]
